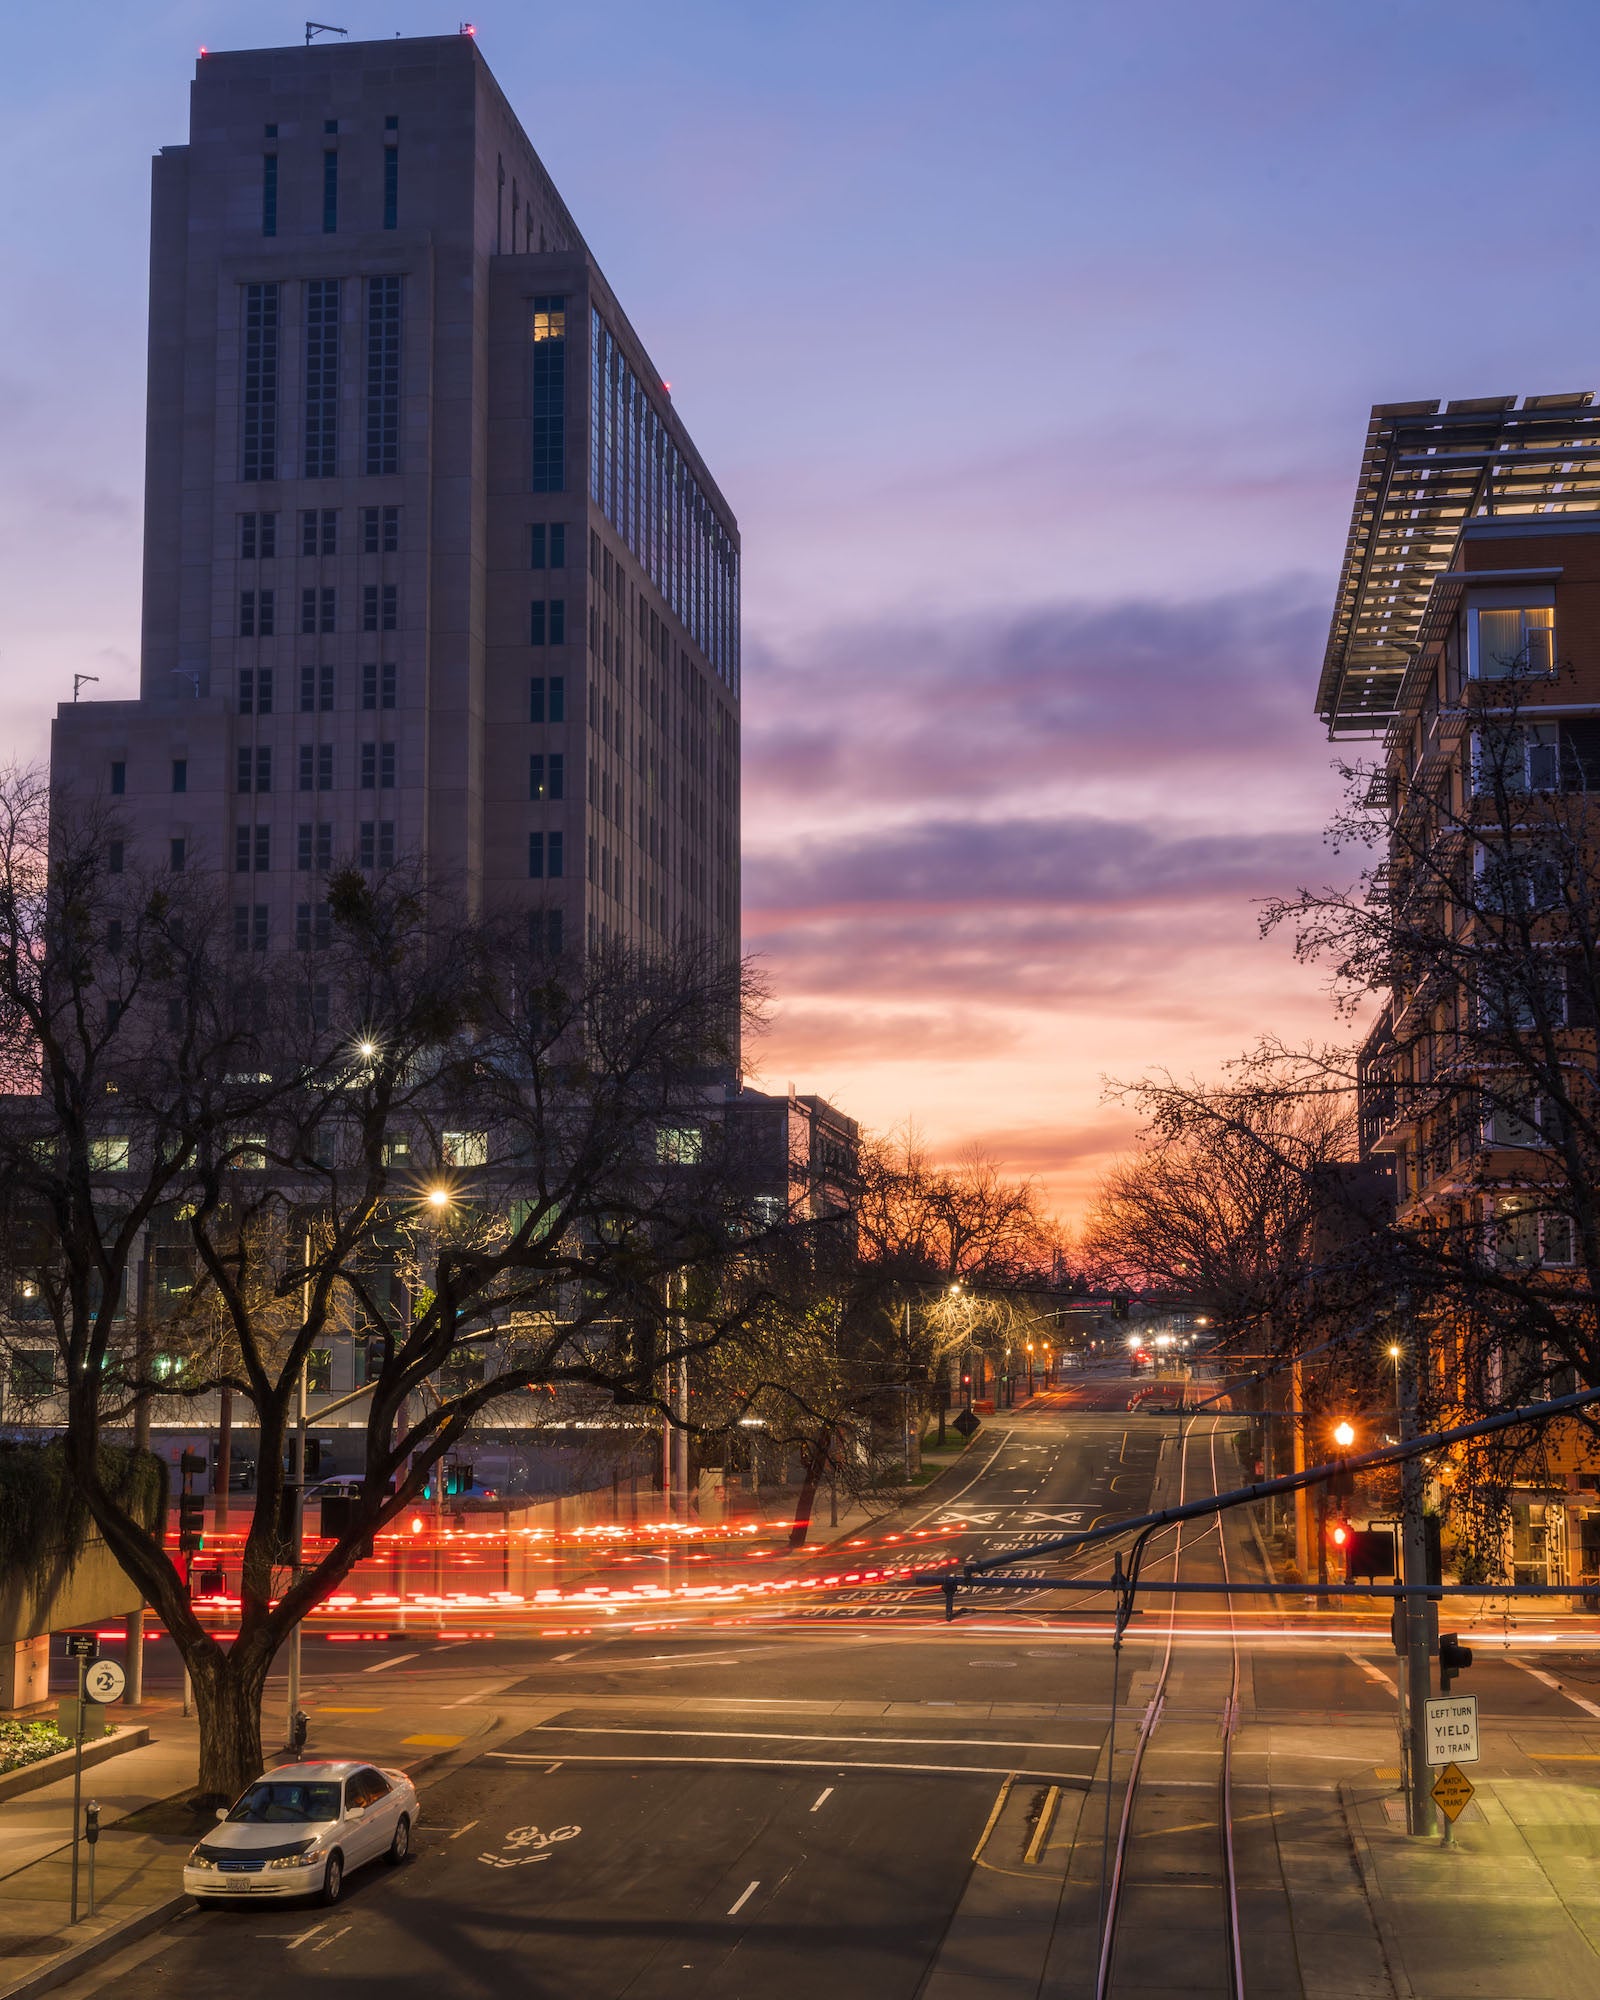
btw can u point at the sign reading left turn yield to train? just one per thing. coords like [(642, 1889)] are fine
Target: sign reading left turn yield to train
[(1452, 1725)]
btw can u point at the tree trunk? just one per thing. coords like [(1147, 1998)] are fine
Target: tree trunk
[(816, 1459), (227, 1692)]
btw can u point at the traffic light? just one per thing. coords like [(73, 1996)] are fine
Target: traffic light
[(1369, 1552), (1454, 1658), (1339, 1532), (191, 1522)]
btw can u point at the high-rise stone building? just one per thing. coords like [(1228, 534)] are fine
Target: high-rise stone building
[(433, 571)]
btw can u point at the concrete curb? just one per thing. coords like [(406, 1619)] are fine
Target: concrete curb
[(69, 1964), (31, 1776), (1382, 1916)]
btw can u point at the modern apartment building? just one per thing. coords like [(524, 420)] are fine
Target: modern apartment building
[(1466, 639), (433, 570)]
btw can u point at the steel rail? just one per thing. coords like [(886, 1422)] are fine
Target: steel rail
[(1230, 1877), (1147, 1728)]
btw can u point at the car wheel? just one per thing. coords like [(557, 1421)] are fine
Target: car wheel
[(400, 1846), (332, 1880)]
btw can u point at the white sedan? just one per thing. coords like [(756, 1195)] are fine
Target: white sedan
[(299, 1830)]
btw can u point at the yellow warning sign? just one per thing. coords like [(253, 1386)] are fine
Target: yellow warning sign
[(1452, 1791)]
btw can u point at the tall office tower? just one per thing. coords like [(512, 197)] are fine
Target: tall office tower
[(432, 568)]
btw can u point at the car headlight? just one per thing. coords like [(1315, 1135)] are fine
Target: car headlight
[(293, 1860), (199, 1860)]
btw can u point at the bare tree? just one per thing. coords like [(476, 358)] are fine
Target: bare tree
[(484, 1164)]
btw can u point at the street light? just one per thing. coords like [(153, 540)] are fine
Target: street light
[(1343, 1436)]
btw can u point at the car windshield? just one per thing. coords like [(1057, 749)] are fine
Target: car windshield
[(278, 1802)]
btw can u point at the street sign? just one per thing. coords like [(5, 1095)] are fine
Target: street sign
[(69, 1716), (105, 1681), (1451, 1725), (966, 1423), (82, 1646), (1452, 1792)]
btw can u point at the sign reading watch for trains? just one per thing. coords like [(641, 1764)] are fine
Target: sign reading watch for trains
[(1452, 1792)]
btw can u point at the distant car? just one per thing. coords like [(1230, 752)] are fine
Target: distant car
[(341, 1487), (299, 1830)]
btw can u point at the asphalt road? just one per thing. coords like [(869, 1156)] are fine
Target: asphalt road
[(856, 1801)]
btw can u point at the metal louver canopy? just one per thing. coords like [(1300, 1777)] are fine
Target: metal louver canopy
[(1425, 473)]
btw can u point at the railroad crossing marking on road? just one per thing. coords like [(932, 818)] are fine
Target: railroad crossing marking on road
[(1452, 1792), (1451, 1722)]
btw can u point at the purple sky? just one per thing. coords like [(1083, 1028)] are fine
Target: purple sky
[(1033, 345)]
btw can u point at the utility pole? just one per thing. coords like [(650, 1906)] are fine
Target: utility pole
[(1414, 1568), (297, 1532)]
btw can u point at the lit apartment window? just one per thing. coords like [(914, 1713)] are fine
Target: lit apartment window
[(549, 469), (1508, 641)]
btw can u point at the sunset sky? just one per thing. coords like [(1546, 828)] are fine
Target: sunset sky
[(1032, 345)]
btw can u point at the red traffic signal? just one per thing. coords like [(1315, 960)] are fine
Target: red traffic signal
[(1339, 1533)]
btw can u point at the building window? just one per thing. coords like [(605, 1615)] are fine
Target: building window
[(255, 690), (549, 395), (548, 545), (119, 777), (558, 621), (1508, 641), (316, 688), (378, 685), (313, 927), (380, 530), (258, 537), (252, 849), (386, 767), (330, 191), (544, 933), (391, 187), (536, 622), (319, 530), (114, 854), (377, 843), (259, 427), (177, 853), (317, 607), (180, 774), (545, 855), (1518, 759), (269, 194), (465, 1149), (247, 614), (322, 379), (547, 776), (254, 769), (383, 374), (250, 926)]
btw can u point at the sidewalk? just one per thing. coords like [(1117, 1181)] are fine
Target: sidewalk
[(146, 1833), (1510, 1905)]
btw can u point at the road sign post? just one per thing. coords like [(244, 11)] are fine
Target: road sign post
[(82, 1648)]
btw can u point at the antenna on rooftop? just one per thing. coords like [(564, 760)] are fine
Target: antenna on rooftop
[(315, 28), (81, 680)]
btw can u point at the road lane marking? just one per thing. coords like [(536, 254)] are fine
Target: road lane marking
[(994, 1813), (471, 1823), (327, 1709), (822, 1799), (399, 1659), (466, 1700), (1374, 1673), (430, 1742), (561, 1659), (805, 1736), (1550, 1681), (1041, 1832), (754, 1886), (334, 1939), (295, 1943), (843, 1764), (982, 1469), (449, 1646)]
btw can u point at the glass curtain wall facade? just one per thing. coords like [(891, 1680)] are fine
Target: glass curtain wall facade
[(641, 483)]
